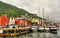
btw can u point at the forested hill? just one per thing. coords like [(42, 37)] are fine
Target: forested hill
[(13, 11)]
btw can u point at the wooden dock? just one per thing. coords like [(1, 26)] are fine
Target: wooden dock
[(25, 30)]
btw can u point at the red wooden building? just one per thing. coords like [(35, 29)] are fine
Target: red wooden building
[(23, 22), (4, 20)]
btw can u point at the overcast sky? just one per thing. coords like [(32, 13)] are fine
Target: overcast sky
[(51, 7)]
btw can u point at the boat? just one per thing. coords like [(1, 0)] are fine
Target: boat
[(34, 28), (41, 29), (53, 29), (47, 29)]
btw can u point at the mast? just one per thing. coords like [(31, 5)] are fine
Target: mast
[(48, 16), (38, 7), (42, 16), (43, 12)]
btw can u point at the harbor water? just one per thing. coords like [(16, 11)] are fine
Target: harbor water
[(37, 35)]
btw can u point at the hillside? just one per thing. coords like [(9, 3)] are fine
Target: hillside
[(13, 11)]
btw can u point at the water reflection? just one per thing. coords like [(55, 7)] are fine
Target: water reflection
[(37, 35)]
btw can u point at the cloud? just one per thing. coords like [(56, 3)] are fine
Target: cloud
[(51, 7)]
